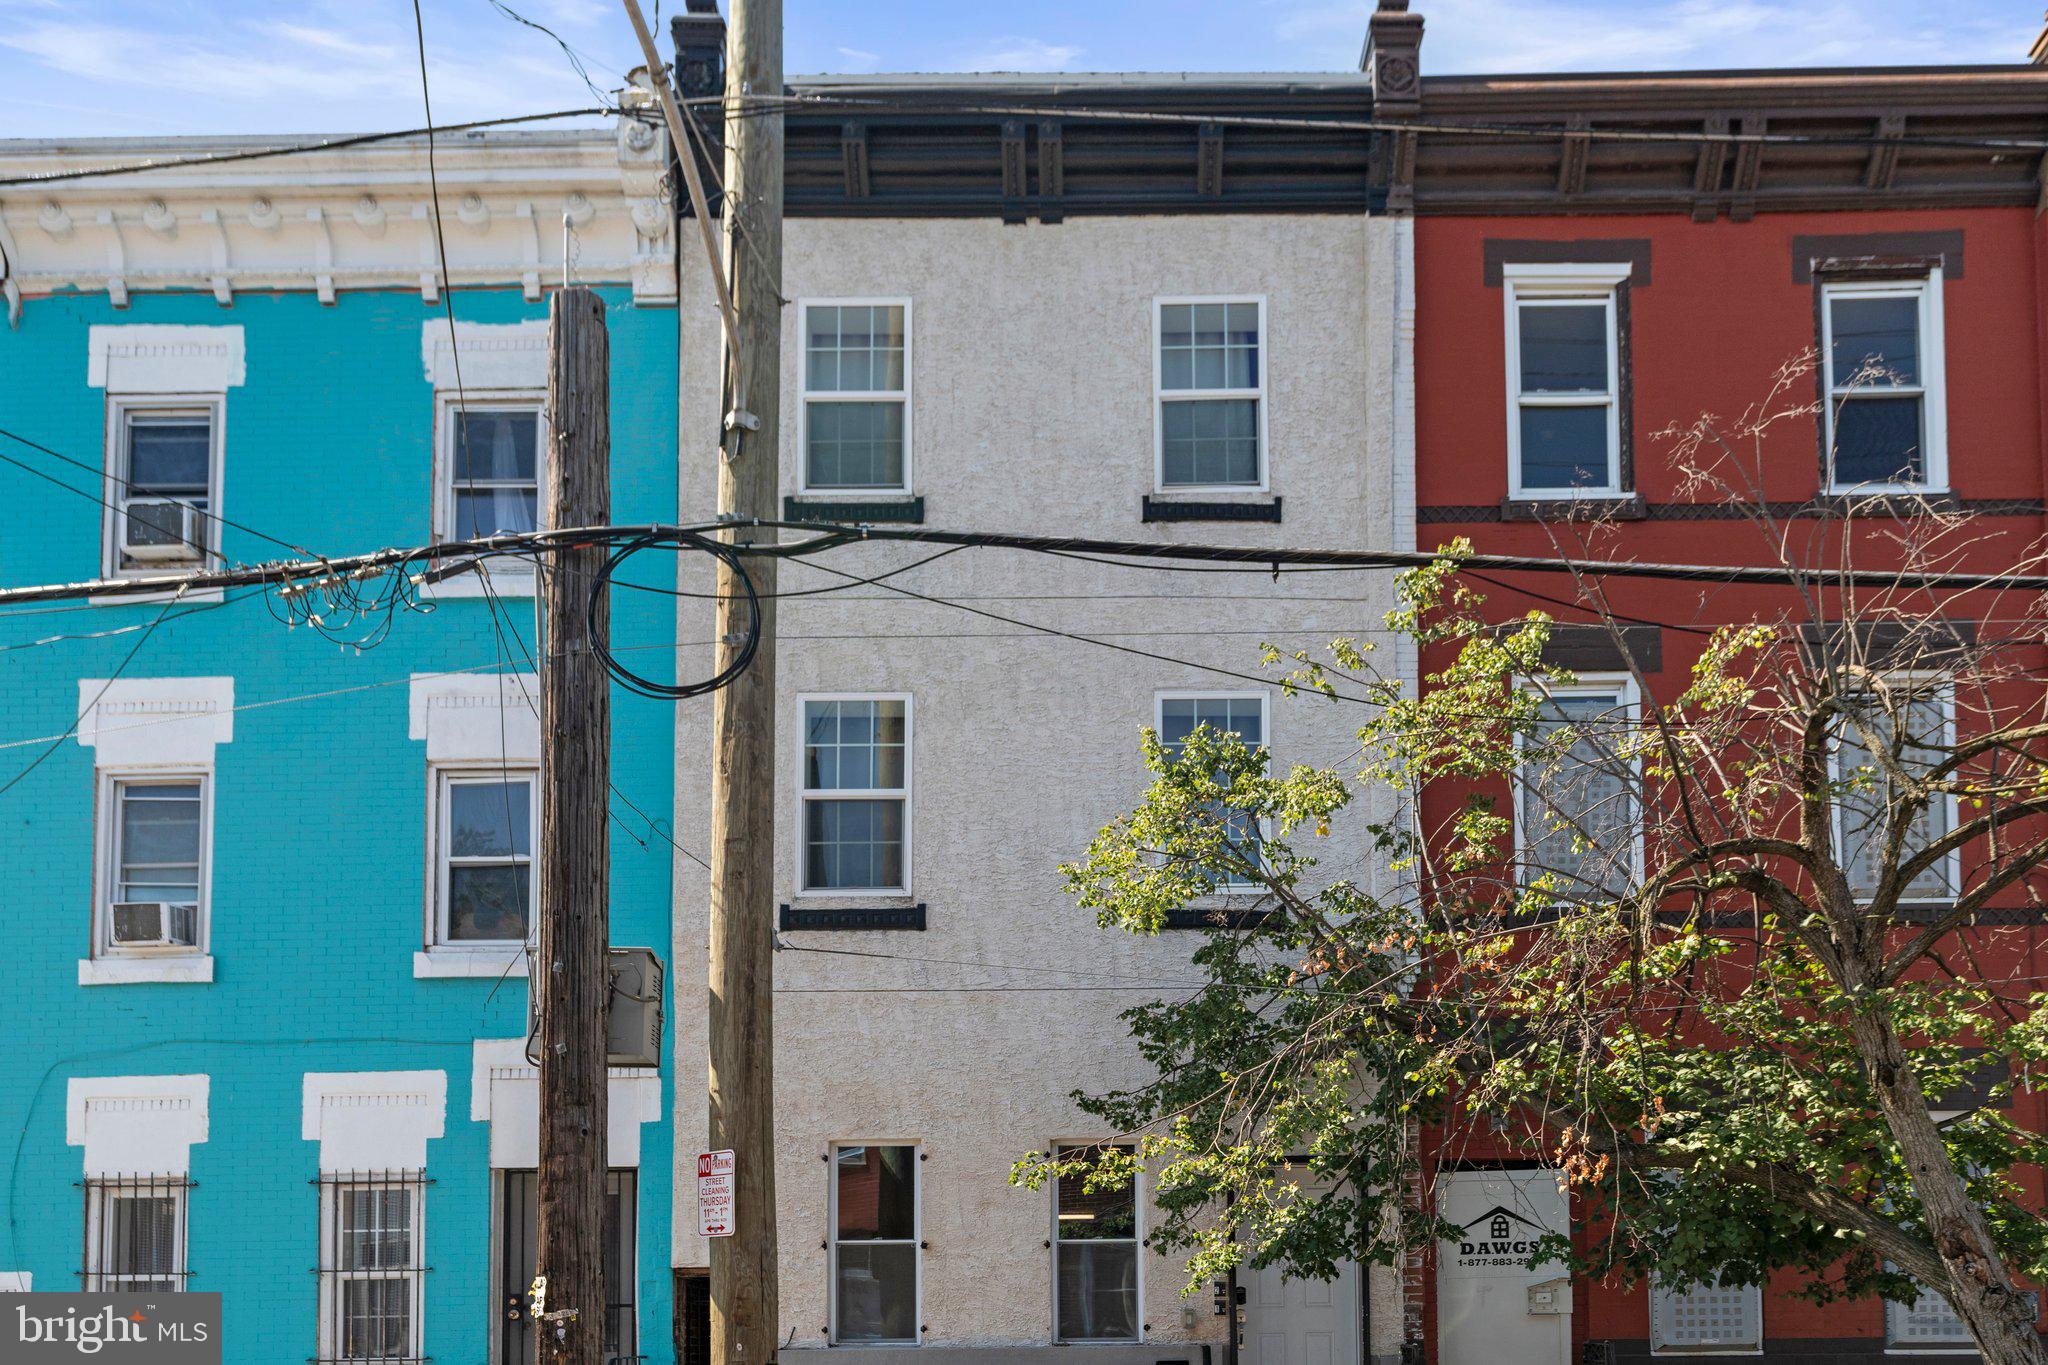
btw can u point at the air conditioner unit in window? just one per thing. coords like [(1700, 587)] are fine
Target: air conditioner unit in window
[(155, 924), (159, 529)]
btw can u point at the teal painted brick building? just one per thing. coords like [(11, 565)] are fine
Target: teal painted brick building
[(308, 1090)]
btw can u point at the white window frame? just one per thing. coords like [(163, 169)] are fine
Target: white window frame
[(1932, 388), (1162, 395), (1953, 871), (807, 794), (1137, 1240), (448, 407), (214, 406), (1659, 1347), (833, 1242), (106, 1190), (806, 396), (441, 777), (107, 865), (1265, 700), (1622, 687), (330, 1340), (1547, 285)]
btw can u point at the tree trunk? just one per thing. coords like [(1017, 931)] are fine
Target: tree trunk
[(1979, 1287)]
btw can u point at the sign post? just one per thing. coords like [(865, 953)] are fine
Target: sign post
[(714, 1194)]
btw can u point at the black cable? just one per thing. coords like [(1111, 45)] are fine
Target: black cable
[(83, 711), (323, 145), (719, 550)]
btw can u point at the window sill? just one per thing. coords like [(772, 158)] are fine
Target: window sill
[(508, 578), (1618, 506), (1177, 507), (468, 963), (192, 969), (855, 507), (153, 599), (1219, 915)]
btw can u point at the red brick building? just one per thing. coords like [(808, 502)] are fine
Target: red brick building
[(1628, 252)]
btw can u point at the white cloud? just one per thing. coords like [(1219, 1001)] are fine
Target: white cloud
[(1017, 54), (1573, 35), (859, 61)]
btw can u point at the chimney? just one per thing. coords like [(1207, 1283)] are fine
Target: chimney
[(1393, 58), (699, 34), (2038, 53)]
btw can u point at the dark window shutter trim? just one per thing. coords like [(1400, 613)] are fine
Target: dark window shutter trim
[(1183, 509), (905, 510), (853, 917)]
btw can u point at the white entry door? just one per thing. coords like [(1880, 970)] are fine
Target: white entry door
[(1300, 1322), (1491, 1307)]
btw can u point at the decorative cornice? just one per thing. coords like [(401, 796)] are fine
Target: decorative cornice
[(327, 221)]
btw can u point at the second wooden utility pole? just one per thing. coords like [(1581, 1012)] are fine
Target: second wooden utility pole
[(743, 1266), (573, 983)]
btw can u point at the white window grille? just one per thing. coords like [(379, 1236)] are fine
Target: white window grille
[(1242, 714), (856, 794), (856, 396), (1210, 394), (1706, 1317)]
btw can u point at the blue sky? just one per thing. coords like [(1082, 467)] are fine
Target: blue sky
[(71, 67)]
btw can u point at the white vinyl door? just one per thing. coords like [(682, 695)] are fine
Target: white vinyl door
[(1491, 1307), (1300, 1322)]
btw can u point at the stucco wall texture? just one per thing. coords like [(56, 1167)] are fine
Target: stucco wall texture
[(1033, 410)]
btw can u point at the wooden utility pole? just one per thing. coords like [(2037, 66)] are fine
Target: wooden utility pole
[(743, 1267), (574, 979)]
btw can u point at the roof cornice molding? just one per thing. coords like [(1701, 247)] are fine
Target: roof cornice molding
[(358, 218)]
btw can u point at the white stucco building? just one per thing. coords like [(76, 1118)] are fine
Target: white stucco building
[(1070, 326)]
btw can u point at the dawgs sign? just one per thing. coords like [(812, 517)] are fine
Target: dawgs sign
[(114, 1329)]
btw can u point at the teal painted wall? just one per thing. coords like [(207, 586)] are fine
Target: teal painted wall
[(319, 802)]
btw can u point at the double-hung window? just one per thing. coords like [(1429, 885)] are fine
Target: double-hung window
[(856, 794), (1706, 1318), (1576, 820), (1095, 1250), (492, 455), (1564, 380), (1881, 345), (484, 840), (1924, 708), (164, 469), (155, 837), (372, 1275), (874, 1245), (135, 1234), (1211, 394), (856, 404), (1242, 714)]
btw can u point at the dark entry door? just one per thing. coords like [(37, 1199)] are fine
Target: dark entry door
[(518, 1218)]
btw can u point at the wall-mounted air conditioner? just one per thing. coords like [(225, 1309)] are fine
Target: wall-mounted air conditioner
[(162, 529), (155, 924)]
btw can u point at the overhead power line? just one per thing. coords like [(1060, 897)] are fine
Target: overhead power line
[(302, 575)]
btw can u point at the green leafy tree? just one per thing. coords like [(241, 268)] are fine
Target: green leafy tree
[(1720, 958)]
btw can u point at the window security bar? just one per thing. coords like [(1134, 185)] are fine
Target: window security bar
[(135, 1234), (372, 1278)]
